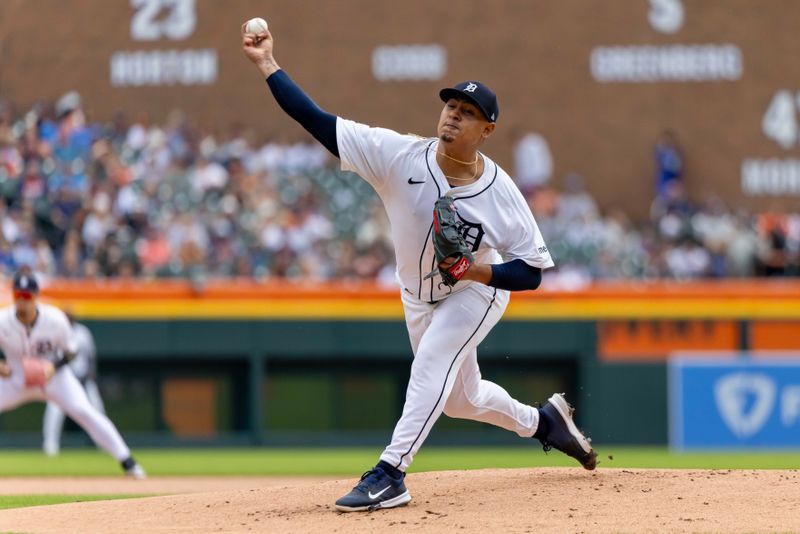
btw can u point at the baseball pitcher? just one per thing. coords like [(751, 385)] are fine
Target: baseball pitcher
[(464, 237)]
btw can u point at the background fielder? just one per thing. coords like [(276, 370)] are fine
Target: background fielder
[(37, 341), (447, 317), (84, 366)]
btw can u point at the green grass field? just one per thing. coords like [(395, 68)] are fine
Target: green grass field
[(350, 461), (21, 501)]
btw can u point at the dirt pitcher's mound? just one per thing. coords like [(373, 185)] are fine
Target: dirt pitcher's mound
[(497, 501), (121, 485)]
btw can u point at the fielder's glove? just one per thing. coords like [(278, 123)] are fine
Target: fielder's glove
[(37, 371), (453, 255)]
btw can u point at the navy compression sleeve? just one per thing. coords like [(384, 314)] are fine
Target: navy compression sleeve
[(297, 104), (515, 275)]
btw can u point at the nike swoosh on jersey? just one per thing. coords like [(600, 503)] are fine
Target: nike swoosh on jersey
[(412, 181), (376, 495)]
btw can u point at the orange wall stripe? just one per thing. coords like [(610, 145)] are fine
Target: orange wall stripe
[(391, 309), (246, 298)]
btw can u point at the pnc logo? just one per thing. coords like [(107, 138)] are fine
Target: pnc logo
[(745, 401), (470, 88)]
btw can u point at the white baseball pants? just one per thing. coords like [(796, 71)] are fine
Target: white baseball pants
[(53, 422), (67, 393), (445, 375)]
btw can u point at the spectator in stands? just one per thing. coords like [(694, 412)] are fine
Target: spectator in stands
[(575, 203), (741, 252), (774, 254), (669, 161), (533, 163), (687, 259)]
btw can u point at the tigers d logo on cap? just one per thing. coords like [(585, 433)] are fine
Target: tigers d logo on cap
[(477, 93)]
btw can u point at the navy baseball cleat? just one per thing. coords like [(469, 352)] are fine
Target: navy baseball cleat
[(133, 469), (562, 434), (375, 490)]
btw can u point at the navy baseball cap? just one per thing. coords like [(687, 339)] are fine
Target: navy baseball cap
[(478, 94), (26, 282)]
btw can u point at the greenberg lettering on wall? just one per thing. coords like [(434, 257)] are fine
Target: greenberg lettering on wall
[(666, 62), (672, 63)]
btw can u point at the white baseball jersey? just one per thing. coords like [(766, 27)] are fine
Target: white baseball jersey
[(84, 362), (48, 337), (403, 171), (445, 332)]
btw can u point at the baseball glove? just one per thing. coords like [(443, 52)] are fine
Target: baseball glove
[(449, 244), (37, 371)]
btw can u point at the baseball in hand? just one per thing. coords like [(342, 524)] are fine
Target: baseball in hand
[(256, 26)]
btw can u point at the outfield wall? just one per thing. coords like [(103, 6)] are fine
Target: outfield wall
[(240, 362), (575, 71)]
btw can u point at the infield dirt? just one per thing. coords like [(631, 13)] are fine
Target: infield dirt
[(500, 501)]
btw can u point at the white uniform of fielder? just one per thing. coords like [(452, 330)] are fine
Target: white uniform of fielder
[(49, 336), (84, 366), (445, 326)]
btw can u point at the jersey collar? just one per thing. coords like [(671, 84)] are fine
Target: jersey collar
[(477, 185), (442, 179)]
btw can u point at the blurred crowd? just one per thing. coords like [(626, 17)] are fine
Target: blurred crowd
[(133, 198), (130, 198), (680, 240)]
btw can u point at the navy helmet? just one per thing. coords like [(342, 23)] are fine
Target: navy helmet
[(25, 281)]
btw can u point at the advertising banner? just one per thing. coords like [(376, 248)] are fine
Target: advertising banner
[(737, 402)]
